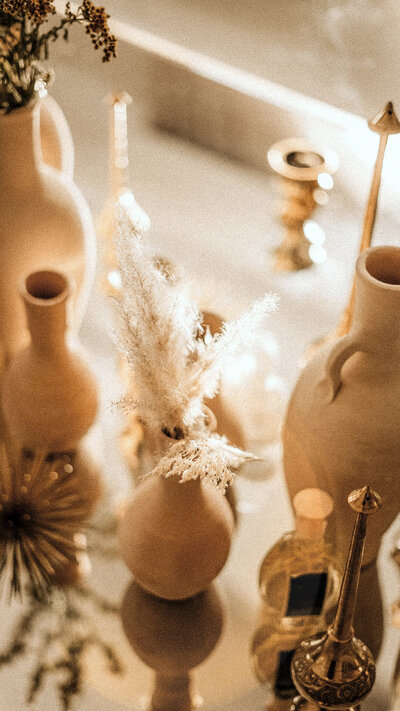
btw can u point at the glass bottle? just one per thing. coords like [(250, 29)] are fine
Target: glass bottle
[(298, 579), (299, 584), (298, 576)]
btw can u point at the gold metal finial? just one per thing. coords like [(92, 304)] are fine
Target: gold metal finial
[(364, 500), (386, 121), (386, 124), (336, 670)]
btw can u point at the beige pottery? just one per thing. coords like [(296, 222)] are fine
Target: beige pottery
[(175, 537), (342, 427), (49, 392), (56, 138), (172, 638), (45, 224)]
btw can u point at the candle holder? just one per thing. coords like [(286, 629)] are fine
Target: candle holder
[(306, 178), (337, 670), (120, 194)]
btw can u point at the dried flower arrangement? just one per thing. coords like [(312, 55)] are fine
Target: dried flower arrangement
[(176, 364), (57, 625), (25, 39), (67, 623), (42, 507)]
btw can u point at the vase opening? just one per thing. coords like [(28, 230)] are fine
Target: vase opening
[(384, 265), (46, 285)]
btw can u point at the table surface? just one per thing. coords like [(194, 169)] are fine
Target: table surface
[(216, 218)]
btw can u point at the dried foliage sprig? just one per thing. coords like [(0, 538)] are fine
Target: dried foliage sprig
[(209, 458), (25, 39), (42, 507), (175, 364), (66, 621)]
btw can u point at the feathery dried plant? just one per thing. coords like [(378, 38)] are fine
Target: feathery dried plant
[(25, 39), (176, 364), (41, 508)]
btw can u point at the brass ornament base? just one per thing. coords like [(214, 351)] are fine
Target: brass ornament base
[(300, 704), (336, 670), (317, 658)]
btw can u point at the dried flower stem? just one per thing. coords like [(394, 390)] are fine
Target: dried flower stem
[(175, 364)]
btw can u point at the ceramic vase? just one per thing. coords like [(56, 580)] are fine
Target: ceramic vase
[(342, 427), (49, 392), (44, 223), (56, 138), (172, 638), (175, 537)]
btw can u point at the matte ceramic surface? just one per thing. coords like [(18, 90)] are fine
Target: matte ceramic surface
[(56, 138), (342, 428), (49, 392), (175, 537), (45, 223)]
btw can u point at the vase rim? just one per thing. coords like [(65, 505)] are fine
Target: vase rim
[(375, 266), (45, 288), (23, 111)]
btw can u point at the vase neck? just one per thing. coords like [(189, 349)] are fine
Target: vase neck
[(20, 154), (376, 321), (45, 297), (172, 692)]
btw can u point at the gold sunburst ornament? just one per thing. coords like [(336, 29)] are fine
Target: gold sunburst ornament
[(42, 508)]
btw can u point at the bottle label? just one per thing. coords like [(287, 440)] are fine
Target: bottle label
[(284, 687), (306, 594)]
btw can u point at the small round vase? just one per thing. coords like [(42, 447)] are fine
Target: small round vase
[(49, 392), (342, 427), (175, 536), (56, 138), (45, 224)]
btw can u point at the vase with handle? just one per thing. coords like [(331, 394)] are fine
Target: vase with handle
[(45, 223), (56, 138), (342, 425)]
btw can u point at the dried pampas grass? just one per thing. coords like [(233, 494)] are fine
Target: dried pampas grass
[(176, 364), (210, 458)]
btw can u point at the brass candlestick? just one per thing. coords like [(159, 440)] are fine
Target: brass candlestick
[(386, 124), (306, 177), (336, 670)]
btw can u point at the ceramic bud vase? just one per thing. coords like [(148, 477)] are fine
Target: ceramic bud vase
[(55, 136), (49, 392), (342, 425), (44, 223), (175, 536)]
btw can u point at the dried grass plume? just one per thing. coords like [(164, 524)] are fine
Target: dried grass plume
[(176, 364)]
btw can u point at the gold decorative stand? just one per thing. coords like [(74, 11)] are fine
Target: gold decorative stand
[(337, 670), (386, 124), (306, 177)]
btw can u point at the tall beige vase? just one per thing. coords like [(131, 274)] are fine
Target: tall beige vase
[(45, 224), (49, 392), (175, 536), (56, 138), (342, 427)]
